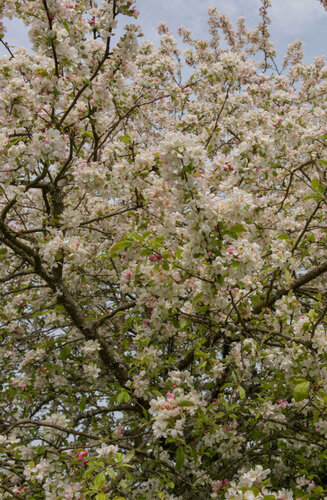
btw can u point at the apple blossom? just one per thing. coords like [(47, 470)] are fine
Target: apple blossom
[(163, 260)]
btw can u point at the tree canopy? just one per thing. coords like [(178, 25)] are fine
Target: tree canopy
[(163, 239)]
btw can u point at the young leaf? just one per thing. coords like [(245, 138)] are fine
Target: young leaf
[(180, 458), (241, 392), (185, 404), (100, 481), (301, 390)]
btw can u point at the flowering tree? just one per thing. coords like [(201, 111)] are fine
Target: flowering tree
[(163, 261)]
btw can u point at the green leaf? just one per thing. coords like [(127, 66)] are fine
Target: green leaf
[(318, 490), (323, 161), (125, 138), (256, 300), (241, 392), (100, 481), (156, 393), (309, 197), (145, 252), (87, 81), (284, 237), (82, 405), (129, 456), (86, 133), (13, 141), (64, 354), (145, 413), (59, 308), (165, 266), (220, 414), (180, 458), (101, 496), (185, 404), (123, 397), (200, 354), (111, 473), (157, 242), (301, 390), (238, 228), (121, 245), (66, 26), (319, 196), (197, 298), (315, 184)]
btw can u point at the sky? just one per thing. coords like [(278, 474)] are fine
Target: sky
[(291, 20)]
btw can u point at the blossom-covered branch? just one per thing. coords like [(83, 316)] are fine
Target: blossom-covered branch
[(163, 260)]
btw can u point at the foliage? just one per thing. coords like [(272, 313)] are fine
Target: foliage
[(163, 261)]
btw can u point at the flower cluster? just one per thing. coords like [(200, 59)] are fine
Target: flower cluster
[(162, 260)]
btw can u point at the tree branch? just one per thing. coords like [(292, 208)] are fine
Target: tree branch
[(296, 284)]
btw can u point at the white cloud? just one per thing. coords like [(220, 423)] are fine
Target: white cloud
[(296, 17)]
